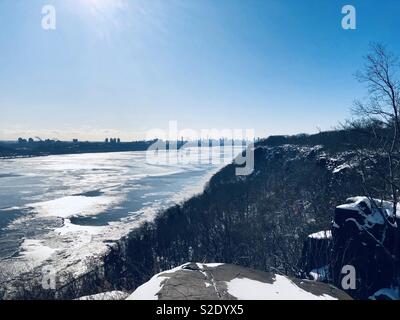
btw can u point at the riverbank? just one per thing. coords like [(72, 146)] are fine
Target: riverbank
[(66, 211), (12, 150)]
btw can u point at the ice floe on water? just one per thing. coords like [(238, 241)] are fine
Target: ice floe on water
[(35, 252), (69, 227), (73, 205), (63, 210)]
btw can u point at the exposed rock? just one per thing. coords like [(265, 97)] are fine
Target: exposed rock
[(316, 256), (364, 236), (195, 281)]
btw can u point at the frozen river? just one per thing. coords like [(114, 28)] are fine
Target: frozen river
[(61, 210)]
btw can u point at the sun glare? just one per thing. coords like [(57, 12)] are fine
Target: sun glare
[(103, 8)]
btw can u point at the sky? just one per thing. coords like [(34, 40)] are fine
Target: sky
[(118, 68)]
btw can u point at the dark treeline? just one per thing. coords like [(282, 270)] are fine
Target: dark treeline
[(352, 135), (51, 147)]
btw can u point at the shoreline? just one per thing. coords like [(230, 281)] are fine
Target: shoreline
[(109, 246)]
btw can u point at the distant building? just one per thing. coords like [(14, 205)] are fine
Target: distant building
[(115, 140)]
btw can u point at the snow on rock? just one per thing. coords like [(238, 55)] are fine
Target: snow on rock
[(368, 212), (361, 204), (209, 265), (110, 295), (149, 290), (230, 282), (364, 236), (320, 274), (213, 265), (281, 289), (321, 235), (341, 168)]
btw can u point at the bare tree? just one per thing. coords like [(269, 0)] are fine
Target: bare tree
[(381, 111)]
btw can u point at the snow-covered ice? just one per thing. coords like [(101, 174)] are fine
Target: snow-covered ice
[(79, 203), (73, 205), (35, 252)]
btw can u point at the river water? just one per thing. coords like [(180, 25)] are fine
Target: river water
[(62, 210)]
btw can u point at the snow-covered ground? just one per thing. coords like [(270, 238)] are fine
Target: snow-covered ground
[(149, 290), (281, 289)]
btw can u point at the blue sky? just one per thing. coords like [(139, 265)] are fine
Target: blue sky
[(121, 67)]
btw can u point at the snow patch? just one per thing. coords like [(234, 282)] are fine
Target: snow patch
[(341, 167), (321, 235), (372, 204), (148, 290), (208, 265), (281, 289), (69, 227), (213, 265), (72, 205), (110, 295), (320, 274), (35, 251)]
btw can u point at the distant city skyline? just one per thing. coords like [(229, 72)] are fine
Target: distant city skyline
[(118, 68)]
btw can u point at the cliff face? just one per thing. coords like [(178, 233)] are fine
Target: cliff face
[(316, 256), (365, 235), (363, 244)]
